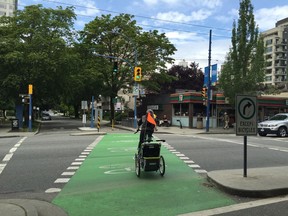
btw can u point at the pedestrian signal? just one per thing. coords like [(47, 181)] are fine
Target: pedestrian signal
[(137, 74)]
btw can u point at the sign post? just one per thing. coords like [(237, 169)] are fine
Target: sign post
[(246, 121)]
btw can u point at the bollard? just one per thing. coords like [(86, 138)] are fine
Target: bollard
[(180, 123), (98, 123)]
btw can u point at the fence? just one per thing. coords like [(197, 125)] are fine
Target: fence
[(128, 122)]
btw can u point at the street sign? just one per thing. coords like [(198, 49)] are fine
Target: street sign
[(136, 91), (246, 115), (84, 105)]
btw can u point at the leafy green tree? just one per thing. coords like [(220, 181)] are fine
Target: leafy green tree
[(118, 39), (243, 71), (35, 50)]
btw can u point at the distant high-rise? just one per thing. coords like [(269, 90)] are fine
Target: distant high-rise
[(7, 7), (183, 63), (276, 53)]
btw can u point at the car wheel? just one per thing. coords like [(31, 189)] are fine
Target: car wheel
[(282, 132), (262, 134)]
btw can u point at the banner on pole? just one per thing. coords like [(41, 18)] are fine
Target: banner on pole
[(206, 78), (214, 75)]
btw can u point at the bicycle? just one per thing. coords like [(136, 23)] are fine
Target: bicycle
[(148, 157)]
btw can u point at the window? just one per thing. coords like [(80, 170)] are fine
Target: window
[(268, 49), (268, 42), (181, 109), (268, 78)]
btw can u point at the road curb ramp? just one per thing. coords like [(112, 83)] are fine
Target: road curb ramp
[(29, 207)]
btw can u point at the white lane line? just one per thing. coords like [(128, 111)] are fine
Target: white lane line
[(189, 162), (200, 171), (180, 155), (2, 166), (12, 150), (76, 163), (237, 207), (184, 158), (62, 180), (194, 165), (73, 168), (70, 169), (68, 173), (53, 190), (9, 155), (276, 149)]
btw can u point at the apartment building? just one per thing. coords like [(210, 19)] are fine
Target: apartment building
[(7, 7), (276, 54)]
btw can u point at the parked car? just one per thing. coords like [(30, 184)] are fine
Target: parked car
[(46, 116), (278, 124)]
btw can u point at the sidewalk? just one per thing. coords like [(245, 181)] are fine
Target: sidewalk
[(260, 182)]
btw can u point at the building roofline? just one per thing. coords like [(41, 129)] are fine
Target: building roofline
[(281, 22)]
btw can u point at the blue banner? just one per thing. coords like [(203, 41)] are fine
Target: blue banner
[(206, 71), (214, 75)]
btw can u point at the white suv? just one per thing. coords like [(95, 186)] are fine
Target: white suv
[(277, 124)]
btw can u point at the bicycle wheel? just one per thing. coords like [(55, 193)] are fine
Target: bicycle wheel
[(137, 165), (161, 165)]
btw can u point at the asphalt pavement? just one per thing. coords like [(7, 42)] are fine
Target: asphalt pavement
[(259, 182)]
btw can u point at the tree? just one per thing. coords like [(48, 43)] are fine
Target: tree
[(178, 77), (118, 39), (243, 71), (35, 50)]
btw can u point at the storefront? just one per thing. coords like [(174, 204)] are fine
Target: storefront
[(188, 106)]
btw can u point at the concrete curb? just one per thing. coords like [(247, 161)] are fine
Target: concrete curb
[(259, 183)]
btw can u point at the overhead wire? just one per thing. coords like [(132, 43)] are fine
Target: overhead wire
[(145, 17), (197, 33)]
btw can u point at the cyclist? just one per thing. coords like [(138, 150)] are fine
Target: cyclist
[(148, 125)]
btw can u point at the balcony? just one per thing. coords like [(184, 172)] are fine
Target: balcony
[(279, 50), (280, 65)]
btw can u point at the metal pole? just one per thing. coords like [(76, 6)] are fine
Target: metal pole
[(136, 85), (92, 113), (245, 157), (208, 84), (135, 108), (30, 112)]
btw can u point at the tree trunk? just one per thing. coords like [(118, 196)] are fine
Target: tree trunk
[(76, 111)]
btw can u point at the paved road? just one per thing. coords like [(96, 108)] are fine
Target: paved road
[(107, 184), (75, 192)]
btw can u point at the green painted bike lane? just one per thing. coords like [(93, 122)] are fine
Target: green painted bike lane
[(106, 184)]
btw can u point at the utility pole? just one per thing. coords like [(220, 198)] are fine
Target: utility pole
[(208, 84)]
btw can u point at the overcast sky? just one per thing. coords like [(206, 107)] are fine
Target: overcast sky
[(185, 22)]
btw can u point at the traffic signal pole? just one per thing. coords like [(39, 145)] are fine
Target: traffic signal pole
[(208, 84)]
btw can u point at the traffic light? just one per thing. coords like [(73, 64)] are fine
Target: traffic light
[(137, 74), (204, 93), (115, 67)]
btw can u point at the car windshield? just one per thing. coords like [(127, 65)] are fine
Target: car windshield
[(279, 117)]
